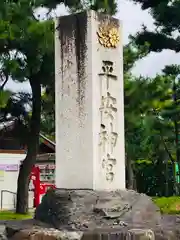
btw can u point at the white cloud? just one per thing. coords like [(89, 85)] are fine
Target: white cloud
[(155, 62), (132, 18)]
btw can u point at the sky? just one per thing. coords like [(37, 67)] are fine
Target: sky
[(132, 18)]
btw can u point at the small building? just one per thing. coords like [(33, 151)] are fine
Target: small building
[(12, 152)]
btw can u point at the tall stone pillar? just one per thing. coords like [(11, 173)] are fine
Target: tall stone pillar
[(90, 148)]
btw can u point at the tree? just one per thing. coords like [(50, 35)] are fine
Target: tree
[(38, 49), (4, 97), (33, 42), (167, 22), (104, 6), (48, 113), (166, 16)]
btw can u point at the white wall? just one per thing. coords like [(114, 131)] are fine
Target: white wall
[(8, 183), (11, 158), (8, 179)]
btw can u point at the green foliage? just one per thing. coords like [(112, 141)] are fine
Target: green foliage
[(167, 20), (154, 177), (165, 109), (168, 205), (105, 6), (51, 4), (4, 97), (48, 113), (133, 53)]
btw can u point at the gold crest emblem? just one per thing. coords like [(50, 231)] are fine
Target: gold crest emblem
[(108, 36)]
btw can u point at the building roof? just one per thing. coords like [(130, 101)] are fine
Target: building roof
[(8, 125), (47, 141), (46, 156)]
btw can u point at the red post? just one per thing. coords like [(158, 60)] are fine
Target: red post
[(35, 177)]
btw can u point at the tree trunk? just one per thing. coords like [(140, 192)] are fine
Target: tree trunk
[(166, 177), (176, 129), (177, 190), (167, 168), (130, 175), (32, 148)]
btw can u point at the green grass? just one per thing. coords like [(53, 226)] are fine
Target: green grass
[(10, 215), (168, 205)]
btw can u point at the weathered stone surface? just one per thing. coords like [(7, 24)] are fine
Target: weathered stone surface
[(35, 230), (3, 236), (14, 226), (145, 234), (2, 231), (89, 96), (129, 233), (46, 234), (89, 210)]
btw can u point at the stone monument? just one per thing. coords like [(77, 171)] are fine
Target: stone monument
[(89, 102), (90, 158), (90, 154), (90, 201)]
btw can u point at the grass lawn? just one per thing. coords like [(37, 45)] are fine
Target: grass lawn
[(168, 205), (10, 215)]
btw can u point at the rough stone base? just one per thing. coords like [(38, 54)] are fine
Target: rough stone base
[(36, 231), (31, 231), (89, 210), (89, 215), (54, 234)]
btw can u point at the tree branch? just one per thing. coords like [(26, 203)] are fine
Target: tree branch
[(167, 150), (5, 81)]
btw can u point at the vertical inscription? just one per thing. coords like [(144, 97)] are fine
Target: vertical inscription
[(108, 135), (108, 163), (107, 71), (108, 106)]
